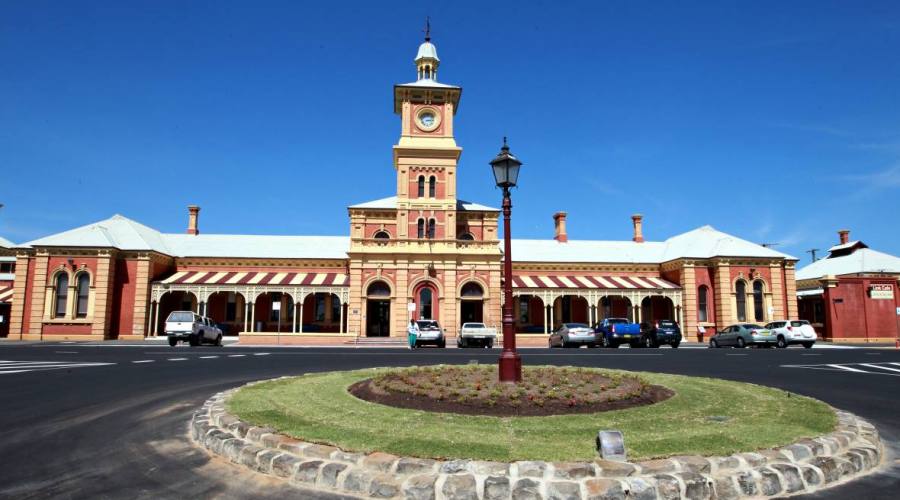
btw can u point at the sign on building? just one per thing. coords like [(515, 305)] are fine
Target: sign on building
[(881, 292)]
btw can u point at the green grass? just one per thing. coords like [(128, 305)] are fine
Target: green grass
[(318, 408)]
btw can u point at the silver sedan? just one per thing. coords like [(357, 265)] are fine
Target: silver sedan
[(573, 335)]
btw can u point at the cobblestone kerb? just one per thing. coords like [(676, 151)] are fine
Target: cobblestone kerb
[(853, 449)]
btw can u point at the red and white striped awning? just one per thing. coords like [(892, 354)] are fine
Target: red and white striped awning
[(6, 292), (594, 282), (256, 278)]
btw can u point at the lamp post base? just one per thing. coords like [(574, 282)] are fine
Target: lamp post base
[(510, 367)]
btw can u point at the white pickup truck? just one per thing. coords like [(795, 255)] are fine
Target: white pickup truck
[(476, 335)]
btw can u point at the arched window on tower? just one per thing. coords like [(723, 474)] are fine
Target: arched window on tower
[(466, 237), (431, 229), (759, 310), (421, 192), (432, 181), (420, 232), (382, 235), (702, 311), (83, 293), (61, 295), (740, 292)]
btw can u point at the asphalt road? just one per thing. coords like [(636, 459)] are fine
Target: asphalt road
[(105, 421)]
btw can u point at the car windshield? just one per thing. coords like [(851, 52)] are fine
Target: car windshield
[(576, 325), (181, 316), (799, 323), (473, 325), (428, 325), (616, 321), (752, 327)]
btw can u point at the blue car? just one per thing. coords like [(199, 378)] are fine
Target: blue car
[(663, 332)]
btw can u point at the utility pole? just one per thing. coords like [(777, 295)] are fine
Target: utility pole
[(812, 252)]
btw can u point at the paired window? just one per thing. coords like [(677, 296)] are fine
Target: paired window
[(62, 295), (740, 290), (421, 190), (83, 294), (420, 229), (431, 228), (702, 304), (431, 186)]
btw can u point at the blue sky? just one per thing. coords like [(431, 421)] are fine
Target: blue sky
[(774, 121)]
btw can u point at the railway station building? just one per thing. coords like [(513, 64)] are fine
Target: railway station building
[(422, 251)]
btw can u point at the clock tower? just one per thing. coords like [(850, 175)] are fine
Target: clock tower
[(424, 253)]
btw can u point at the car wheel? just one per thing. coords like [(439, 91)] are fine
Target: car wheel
[(219, 341), (194, 341), (606, 342), (443, 344), (173, 341), (808, 345), (462, 343), (713, 343), (675, 345), (648, 342), (781, 343), (740, 343)]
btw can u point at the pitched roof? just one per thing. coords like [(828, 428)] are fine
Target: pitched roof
[(5, 243), (125, 234), (863, 260), (702, 243), (391, 202)]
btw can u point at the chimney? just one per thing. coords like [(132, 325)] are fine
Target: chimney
[(638, 221), (559, 220), (844, 235), (193, 214)]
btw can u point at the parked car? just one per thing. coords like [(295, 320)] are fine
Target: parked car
[(662, 332), (192, 328), (573, 335), (476, 335), (796, 331), (742, 335), (430, 332), (612, 332)]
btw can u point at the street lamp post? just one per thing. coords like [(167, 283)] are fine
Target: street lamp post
[(506, 173)]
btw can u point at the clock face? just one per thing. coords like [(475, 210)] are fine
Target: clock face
[(427, 119)]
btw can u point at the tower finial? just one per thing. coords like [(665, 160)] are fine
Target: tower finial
[(427, 29)]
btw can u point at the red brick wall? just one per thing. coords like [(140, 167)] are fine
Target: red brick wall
[(123, 296)]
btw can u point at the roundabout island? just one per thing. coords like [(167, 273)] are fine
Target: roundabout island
[(454, 432)]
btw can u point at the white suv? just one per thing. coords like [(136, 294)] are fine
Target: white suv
[(797, 331), (193, 328)]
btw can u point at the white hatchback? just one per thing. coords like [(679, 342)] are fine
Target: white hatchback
[(797, 331)]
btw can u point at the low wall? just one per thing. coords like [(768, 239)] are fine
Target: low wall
[(852, 450)]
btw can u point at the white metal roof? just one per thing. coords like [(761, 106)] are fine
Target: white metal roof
[(844, 246), (428, 82), (391, 202), (427, 50), (863, 260), (702, 243), (5, 243), (125, 234)]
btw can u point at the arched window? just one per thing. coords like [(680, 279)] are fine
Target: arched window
[(382, 235), (421, 186), (466, 237), (740, 290), (431, 186), (472, 289), (702, 311), (758, 303), (83, 293), (431, 226), (420, 231), (378, 289), (62, 295), (426, 297)]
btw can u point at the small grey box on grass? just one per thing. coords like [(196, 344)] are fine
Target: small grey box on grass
[(611, 445)]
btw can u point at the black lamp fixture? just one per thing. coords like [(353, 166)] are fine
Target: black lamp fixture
[(506, 167)]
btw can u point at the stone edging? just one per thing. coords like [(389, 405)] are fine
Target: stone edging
[(808, 465)]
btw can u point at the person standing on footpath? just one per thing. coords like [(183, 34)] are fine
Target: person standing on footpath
[(412, 332)]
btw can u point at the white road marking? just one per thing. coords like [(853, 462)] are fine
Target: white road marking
[(145, 361), (208, 357), (8, 367), (66, 352), (847, 368), (236, 355), (177, 359), (261, 354), (880, 367)]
